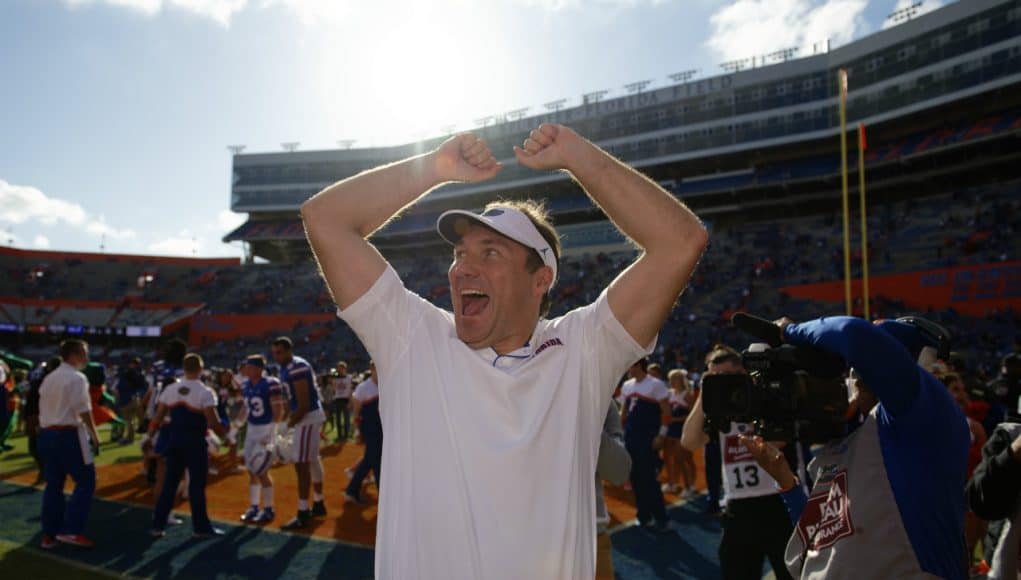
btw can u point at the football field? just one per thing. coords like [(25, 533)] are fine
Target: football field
[(339, 546)]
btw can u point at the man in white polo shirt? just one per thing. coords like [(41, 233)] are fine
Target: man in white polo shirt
[(492, 413), (67, 443)]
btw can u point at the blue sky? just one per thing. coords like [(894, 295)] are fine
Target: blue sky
[(116, 114)]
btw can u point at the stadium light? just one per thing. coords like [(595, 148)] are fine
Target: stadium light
[(555, 105), (346, 143), (236, 149), (483, 121), (783, 55), (517, 113), (594, 96), (637, 87), (683, 76), (290, 146), (735, 65), (905, 14)]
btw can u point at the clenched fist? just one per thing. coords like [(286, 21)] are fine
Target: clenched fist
[(548, 148), (465, 158)]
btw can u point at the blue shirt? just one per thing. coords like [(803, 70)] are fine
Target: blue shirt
[(163, 373), (130, 384), (259, 399), (923, 435), (297, 370)]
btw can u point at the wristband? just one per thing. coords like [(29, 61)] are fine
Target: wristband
[(792, 486), (663, 430)]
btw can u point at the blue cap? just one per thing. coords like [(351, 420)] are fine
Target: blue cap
[(906, 334)]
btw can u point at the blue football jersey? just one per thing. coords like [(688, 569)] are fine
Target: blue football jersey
[(163, 373), (259, 399), (297, 370)]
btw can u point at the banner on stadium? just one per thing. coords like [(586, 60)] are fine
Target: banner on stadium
[(973, 290), (206, 328)]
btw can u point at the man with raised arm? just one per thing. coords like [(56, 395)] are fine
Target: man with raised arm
[(493, 413)]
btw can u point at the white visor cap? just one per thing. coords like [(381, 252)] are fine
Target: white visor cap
[(508, 221)]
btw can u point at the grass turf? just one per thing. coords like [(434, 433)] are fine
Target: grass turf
[(18, 460)]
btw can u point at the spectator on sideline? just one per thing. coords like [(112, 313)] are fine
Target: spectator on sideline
[(501, 407), (8, 406), (974, 526), (645, 410), (342, 390), (32, 429), (191, 406), (230, 407), (67, 443), (366, 409), (613, 465), (130, 388), (326, 389), (1006, 387), (680, 463)]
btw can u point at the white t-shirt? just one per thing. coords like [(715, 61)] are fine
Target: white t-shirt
[(63, 397), (489, 467), (192, 393), (366, 390), (649, 388), (342, 387)]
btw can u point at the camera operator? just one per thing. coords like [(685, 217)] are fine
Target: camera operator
[(756, 523), (887, 498)]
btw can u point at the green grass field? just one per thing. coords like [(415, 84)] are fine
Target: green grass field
[(18, 460)]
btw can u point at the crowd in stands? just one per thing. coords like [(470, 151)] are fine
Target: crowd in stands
[(742, 270)]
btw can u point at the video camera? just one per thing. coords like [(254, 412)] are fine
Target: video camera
[(789, 392)]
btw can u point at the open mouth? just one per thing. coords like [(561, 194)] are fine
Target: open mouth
[(473, 302)]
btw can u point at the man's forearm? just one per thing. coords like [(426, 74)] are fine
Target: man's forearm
[(643, 210), (692, 435), (365, 202), (883, 363), (90, 425)]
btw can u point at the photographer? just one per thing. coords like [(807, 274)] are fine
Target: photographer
[(887, 498), (756, 524)]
